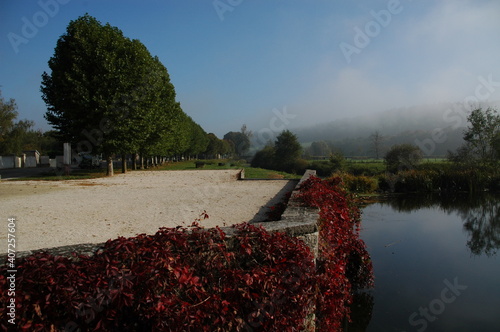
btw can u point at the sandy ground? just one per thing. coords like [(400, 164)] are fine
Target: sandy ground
[(56, 213)]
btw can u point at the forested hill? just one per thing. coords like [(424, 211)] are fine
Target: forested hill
[(446, 121)]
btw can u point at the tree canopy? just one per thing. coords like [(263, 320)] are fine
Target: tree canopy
[(482, 140), (284, 155), (107, 94), (402, 157), (239, 140)]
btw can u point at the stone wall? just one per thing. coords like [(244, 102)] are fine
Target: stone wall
[(297, 220)]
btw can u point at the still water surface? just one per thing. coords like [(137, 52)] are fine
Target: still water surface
[(435, 263)]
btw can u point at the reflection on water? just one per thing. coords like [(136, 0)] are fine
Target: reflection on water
[(480, 214), (423, 248)]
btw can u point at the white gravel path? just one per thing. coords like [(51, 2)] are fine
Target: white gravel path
[(56, 213)]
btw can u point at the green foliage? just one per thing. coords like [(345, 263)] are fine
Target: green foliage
[(264, 158), (367, 169), (403, 157), (482, 140), (284, 155), (445, 178), (287, 150), (337, 161), (319, 149), (358, 183), (107, 94), (322, 167), (216, 146), (240, 141), (261, 173), (298, 166)]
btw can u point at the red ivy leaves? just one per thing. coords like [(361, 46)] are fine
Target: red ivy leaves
[(343, 264)]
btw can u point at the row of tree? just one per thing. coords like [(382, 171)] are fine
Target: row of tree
[(191, 140), (108, 95)]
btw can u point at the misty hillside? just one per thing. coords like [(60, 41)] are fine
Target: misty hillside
[(414, 125)]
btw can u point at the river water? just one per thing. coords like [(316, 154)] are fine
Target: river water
[(435, 263)]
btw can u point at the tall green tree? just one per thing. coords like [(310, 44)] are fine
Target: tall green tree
[(198, 139), (319, 149), (402, 157), (215, 147), (482, 133), (240, 140), (265, 158), (105, 92), (287, 150), (283, 155), (482, 140)]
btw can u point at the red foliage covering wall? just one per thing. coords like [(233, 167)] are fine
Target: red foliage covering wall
[(343, 265)]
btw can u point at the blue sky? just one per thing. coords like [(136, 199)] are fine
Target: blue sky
[(276, 64)]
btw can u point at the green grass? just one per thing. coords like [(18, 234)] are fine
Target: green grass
[(250, 172), (54, 175), (261, 173), (191, 165)]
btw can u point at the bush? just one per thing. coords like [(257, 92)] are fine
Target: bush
[(440, 180), (402, 157), (360, 184), (298, 166), (357, 184), (264, 158), (322, 168), (366, 169)]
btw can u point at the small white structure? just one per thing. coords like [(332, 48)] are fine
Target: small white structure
[(32, 158), (44, 161), (7, 161)]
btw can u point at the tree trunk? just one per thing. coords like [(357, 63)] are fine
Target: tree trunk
[(141, 160), (109, 162), (124, 163), (134, 162)]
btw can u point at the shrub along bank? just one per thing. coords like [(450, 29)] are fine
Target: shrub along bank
[(443, 179), (194, 279)]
